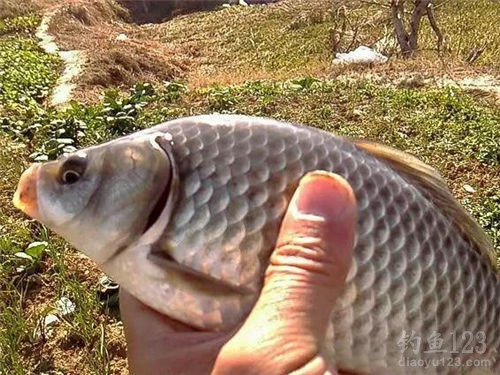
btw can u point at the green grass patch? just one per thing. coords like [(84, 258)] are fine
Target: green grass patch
[(15, 234), (32, 284), (21, 24), (26, 76)]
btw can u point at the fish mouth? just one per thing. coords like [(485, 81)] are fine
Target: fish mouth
[(25, 197)]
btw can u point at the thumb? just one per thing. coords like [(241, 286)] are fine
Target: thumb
[(286, 329)]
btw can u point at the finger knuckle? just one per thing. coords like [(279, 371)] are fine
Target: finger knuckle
[(306, 254)]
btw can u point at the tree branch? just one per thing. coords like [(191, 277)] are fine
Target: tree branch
[(408, 40), (416, 18), (399, 29), (435, 27)]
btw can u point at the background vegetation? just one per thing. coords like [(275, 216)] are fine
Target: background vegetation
[(457, 133)]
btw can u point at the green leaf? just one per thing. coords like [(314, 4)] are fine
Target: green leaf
[(35, 249), (23, 255)]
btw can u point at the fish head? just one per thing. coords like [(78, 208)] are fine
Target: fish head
[(100, 199)]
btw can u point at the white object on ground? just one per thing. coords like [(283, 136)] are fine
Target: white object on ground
[(469, 189), (65, 306), (46, 326), (361, 55), (121, 37)]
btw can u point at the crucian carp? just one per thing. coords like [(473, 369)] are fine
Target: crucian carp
[(184, 216)]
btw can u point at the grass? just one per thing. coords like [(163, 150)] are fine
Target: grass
[(468, 24), (292, 38), (262, 47), (286, 40), (18, 24), (297, 38), (447, 128), (14, 8), (31, 286), (27, 74), (31, 289)]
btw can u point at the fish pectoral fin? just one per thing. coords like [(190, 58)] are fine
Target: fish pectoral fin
[(182, 276)]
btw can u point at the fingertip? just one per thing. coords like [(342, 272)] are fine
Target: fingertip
[(313, 254), (322, 217), (326, 195)]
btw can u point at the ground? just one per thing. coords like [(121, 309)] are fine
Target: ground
[(269, 61)]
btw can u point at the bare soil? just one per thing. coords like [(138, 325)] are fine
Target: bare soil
[(114, 57), (199, 49)]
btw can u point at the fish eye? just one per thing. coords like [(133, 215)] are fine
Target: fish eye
[(72, 169), (70, 177)]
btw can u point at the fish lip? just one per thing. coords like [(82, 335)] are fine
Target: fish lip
[(26, 195)]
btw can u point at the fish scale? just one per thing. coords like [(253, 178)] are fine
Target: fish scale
[(412, 272)]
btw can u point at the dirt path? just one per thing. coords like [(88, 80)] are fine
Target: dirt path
[(73, 63), (484, 83)]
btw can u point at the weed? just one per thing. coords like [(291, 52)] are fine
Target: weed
[(119, 112), (23, 24), (26, 76)]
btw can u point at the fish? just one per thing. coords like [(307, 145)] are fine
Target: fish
[(184, 216)]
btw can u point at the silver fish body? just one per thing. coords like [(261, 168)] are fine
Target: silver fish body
[(414, 277), (419, 298)]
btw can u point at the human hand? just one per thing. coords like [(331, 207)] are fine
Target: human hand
[(285, 330)]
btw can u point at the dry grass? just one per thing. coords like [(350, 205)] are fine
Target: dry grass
[(285, 39), (16, 8), (296, 38), (112, 62), (468, 25), (288, 39)]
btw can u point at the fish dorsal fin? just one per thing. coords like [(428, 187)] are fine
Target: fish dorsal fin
[(432, 185)]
